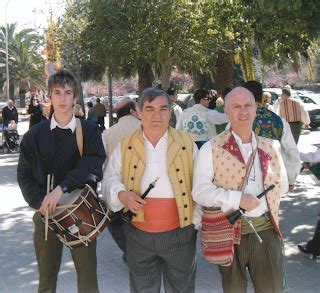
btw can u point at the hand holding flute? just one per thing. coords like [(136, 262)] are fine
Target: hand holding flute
[(134, 202), (234, 216)]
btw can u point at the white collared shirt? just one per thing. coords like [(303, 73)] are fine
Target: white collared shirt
[(207, 194), (71, 125)]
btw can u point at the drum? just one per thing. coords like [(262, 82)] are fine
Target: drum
[(79, 225)]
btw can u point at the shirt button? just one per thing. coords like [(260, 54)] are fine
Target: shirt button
[(135, 166), (181, 181), (183, 148), (185, 218), (185, 206), (130, 147), (177, 169), (132, 178), (183, 193)]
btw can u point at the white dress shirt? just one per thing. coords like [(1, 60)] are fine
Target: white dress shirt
[(207, 194)]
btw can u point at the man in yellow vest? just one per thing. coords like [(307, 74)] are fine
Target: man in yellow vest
[(161, 239), (224, 179)]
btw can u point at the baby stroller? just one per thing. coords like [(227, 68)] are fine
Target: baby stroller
[(10, 140)]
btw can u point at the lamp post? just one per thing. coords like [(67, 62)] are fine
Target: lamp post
[(7, 61)]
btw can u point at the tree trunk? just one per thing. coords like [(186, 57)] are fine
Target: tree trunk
[(22, 98), (146, 77), (202, 80), (165, 73), (224, 67)]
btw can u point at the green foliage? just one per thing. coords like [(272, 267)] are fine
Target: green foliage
[(126, 35), (74, 52), (26, 66)]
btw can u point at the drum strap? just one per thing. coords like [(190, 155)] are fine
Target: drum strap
[(79, 136)]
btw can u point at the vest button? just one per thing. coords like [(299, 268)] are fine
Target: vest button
[(130, 147), (132, 178), (135, 166), (183, 148), (185, 218), (183, 193), (185, 206), (181, 181), (177, 169)]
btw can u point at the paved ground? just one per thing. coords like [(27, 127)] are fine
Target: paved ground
[(18, 270)]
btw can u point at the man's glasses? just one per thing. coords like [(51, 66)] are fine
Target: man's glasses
[(207, 99)]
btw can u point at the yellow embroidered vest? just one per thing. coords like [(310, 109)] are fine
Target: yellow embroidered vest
[(230, 169), (180, 167)]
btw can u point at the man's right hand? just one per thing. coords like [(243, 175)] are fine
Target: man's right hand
[(131, 201), (249, 202)]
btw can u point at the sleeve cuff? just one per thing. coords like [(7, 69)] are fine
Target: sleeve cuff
[(233, 202)]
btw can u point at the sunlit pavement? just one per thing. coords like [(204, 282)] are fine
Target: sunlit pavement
[(18, 269)]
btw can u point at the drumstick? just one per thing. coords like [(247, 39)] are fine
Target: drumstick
[(46, 226), (47, 214)]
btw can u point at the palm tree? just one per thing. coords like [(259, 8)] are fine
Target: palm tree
[(26, 66)]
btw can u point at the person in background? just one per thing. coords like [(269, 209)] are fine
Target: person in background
[(78, 111), (266, 101), (35, 110), (128, 123), (220, 108), (101, 113), (176, 109), (293, 111), (50, 148), (200, 121), (92, 114), (214, 96), (161, 238), (221, 168), (9, 113)]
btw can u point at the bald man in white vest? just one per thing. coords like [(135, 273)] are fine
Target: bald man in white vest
[(220, 171)]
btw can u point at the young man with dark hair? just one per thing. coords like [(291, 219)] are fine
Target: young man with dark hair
[(50, 148)]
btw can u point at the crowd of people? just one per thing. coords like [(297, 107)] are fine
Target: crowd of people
[(196, 174)]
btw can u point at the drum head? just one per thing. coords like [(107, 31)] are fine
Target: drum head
[(67, 199)]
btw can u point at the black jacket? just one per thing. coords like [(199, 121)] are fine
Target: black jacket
[(9, 115), (37, 160)]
